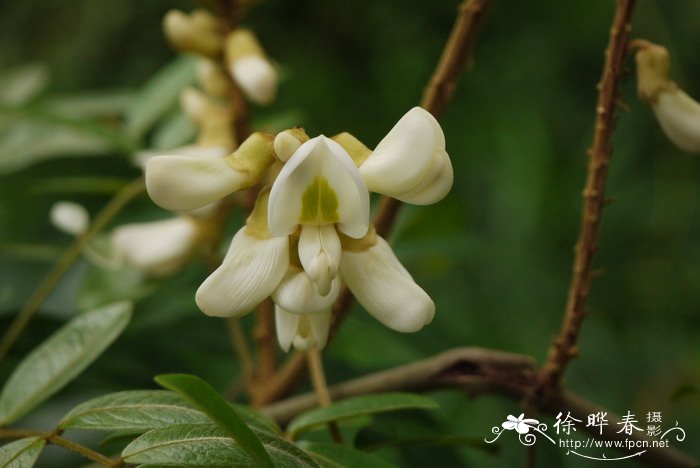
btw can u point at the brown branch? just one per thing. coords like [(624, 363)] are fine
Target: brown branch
[(564, 347), (477, 371), (437, 96)]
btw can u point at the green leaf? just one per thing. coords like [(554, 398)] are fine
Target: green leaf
[(208, 400), (21, 453), (138, 410), (90, 104), (159, 95), (176, 131), (60, 358), (359, 406), (19, 85), (103, 286), (340, 456), (28, 138), (207, 445)]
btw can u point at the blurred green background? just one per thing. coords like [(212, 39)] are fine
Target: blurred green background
[(495, 254)]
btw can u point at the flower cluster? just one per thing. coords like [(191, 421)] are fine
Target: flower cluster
[(202, 33), (677, 113), (309, 232)]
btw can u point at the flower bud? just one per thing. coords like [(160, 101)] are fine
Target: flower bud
[(677, 113), (212, 78), (69, 217), (288, 141), (250, 68), (199, 32)]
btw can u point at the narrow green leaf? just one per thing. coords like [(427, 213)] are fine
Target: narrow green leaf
[(27, 139), (21, 453), (90, 104), (341, 456), (176, 131), (138, 410), (359, 406), (207, 445), (208, 400), (23, 83), (60, 358), (158, 95)]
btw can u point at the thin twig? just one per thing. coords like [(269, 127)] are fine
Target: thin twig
[(318, 380), (476, 372), (564, 346), (437, 96), (240, 347), (55, 439), (266, 339), (114, 206)]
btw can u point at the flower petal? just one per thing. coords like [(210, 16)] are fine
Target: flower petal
[(319, 252), (384, 287), (436, 188), (158, 248), (522, 428), (256, 77), (69, 217), (401, 160), (679, 117), (251, 270), (287, 325), (297, 294), (509, 425), (182, 183), (141, 158), (319, 184), (313, 330)]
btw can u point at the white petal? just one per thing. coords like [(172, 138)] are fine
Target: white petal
[(285, 145), (297, 294), (320, 158), (181, 183), (313, 330), (69, 217), (141, 158), (319, 252), (251, 270), (320, 326), (434, 190), (384, 287), (287, 325), (402, 158), (679, 116), (256, 77), (509, 425), (158, 248)]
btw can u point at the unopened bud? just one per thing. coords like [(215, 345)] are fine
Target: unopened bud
[(288, 141), (199, 33), (250, 68), (212, 78)]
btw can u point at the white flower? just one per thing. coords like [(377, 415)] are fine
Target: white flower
[(410, 163), (158, 248), (69, 217), (183, 183), (319, 189), (305, 331), (677, 113), (522, 426), (384, 287), (252, 269)]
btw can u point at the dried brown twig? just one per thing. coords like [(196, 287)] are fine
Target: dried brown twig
[(564, 347)]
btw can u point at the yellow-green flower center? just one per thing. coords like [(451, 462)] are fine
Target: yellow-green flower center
[(319, 203)]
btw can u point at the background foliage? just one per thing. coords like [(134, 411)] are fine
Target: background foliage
[(495, 254)]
